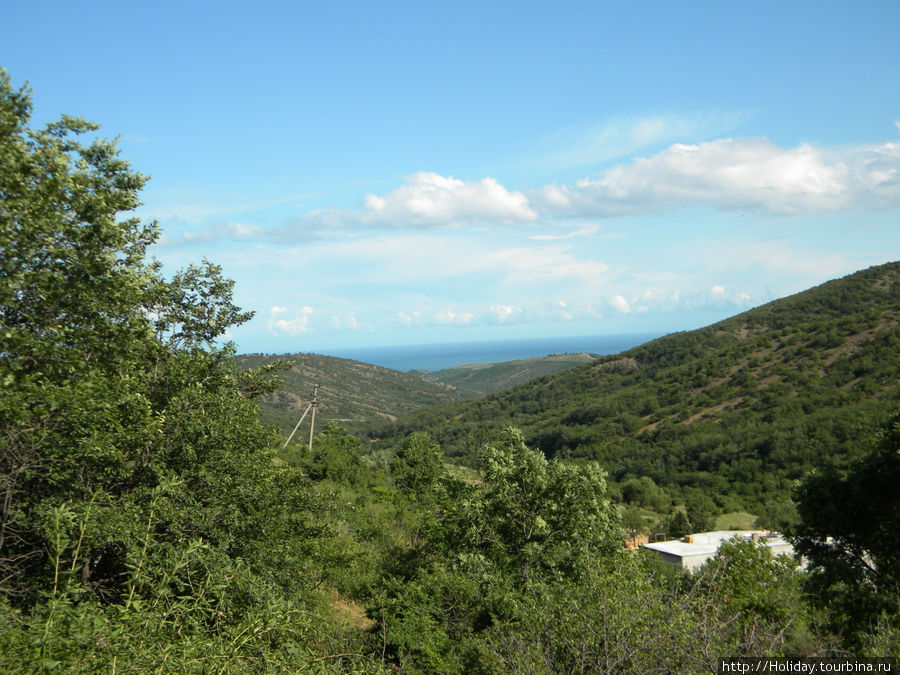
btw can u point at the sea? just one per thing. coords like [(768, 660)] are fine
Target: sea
[(438, 356)]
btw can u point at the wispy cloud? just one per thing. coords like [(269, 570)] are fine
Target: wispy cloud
[(622, 137), (198, 212), (580, 232), (223, 231)]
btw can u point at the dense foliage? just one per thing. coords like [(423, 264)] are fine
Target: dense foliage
[(143, 520), (147, 524)]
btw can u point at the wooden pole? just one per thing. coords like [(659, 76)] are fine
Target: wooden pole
[(312, 422), (296, 426)]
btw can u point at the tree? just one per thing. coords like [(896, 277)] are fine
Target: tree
[(529, 520), (336, 457), (141, 508), (758, 600), (418, 467), (533, 514), (849, 531)]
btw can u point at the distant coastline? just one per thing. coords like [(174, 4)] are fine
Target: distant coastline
[(447, 355)]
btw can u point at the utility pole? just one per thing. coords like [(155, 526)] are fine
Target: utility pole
[(312, 406), (312, 421)]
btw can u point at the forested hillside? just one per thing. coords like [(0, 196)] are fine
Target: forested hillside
[(740, 409), (349, 391), (352, 392)]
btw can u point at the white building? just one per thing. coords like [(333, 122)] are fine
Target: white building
[(691, 551)]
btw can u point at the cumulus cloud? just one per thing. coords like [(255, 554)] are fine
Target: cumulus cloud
[(717, 290), (430, 199), (737, 173), (620, 304), (294, 326)]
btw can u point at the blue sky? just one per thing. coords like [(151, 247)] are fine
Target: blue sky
[(378, 173)]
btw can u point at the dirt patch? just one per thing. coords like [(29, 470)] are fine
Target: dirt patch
[(714, 409), (350, 612), (627, 362)]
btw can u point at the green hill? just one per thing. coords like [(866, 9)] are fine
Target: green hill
[(353, 392), (478, 379), (350, 392), (741, 408)]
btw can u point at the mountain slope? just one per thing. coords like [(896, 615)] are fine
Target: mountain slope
[(742, 407), (349, 391)]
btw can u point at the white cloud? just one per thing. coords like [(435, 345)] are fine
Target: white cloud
[(451, 317), (897, 124), (294, 326), (620, 304), (222, 231), (216, 206), (717, 290), (403, 258), (503, 313), (736, 174), (433, 200)]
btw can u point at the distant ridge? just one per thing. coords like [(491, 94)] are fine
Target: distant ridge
[(479, 379), (352, 392)]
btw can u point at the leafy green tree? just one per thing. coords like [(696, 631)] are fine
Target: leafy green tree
[(529, 519), (849, 531), (336, 456), (534, 514), (417, 467), (618, 618), (759, 600), (696, 517), (143, 518)]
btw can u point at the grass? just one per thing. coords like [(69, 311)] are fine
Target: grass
[(735, 520)]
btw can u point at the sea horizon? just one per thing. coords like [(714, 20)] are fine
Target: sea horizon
[(438, 356)]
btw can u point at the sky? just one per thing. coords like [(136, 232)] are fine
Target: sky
[(390, 173)]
